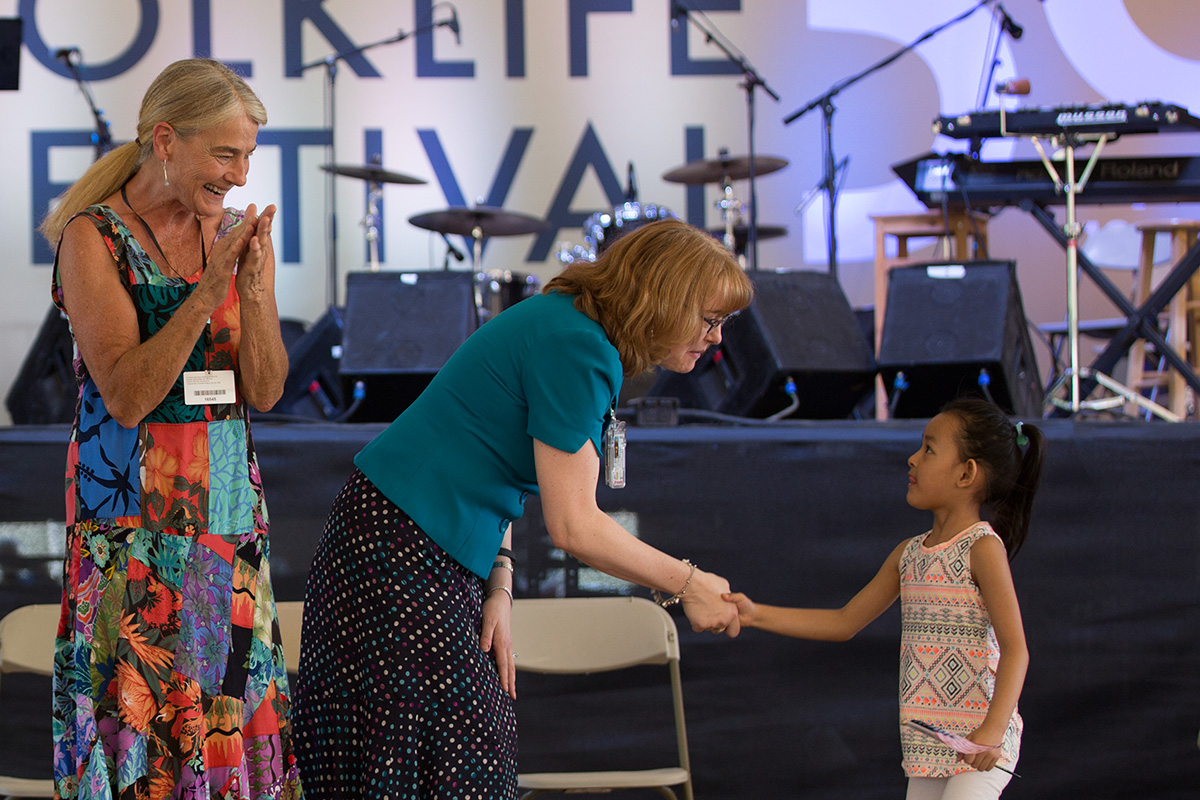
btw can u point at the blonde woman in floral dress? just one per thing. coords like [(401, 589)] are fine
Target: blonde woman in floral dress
[(169, 675)]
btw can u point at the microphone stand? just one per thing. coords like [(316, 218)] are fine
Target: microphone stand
[(102, 138), (330, 64), (1001, 26), (752, 80), (825, 102)]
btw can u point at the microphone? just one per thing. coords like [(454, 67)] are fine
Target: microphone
[(454, 251), (453, 25), (1014, 86), (66, 52), (1007, 23)]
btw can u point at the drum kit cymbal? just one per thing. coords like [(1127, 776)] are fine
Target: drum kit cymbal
[(723, 171), (375, 176), (481, 222), (478, 222)]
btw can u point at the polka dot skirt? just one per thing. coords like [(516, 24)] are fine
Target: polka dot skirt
[(395, 699)]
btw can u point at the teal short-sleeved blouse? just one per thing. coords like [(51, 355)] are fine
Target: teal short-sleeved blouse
[(459, 460)]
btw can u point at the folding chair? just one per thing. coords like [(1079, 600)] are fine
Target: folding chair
[(290, 614), (27, 645), (582, 635)]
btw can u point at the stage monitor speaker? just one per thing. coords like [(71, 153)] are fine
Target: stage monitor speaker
[(313, 387), (949, 325), (45, 391), (800, 326), (400, 328)]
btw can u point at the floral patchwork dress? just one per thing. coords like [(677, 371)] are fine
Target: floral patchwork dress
[(169, 675)]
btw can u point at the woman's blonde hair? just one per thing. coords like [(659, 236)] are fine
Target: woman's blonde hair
[(650, 287), (191, 96)]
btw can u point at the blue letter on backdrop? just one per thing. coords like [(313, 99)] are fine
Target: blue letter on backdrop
[(289, 143), (202, 38), (294, 14), (577, 25), (517, 144), (514, 27), (38, 49), (681, 64), (427, 65), (42, 189), (590, 152)]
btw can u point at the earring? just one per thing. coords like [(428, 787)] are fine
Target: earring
[(166, 180)]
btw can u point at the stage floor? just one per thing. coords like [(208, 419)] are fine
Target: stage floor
[(800, 513)]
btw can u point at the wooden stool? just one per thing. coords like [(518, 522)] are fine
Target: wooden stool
[(960, 235), (1183, 315)]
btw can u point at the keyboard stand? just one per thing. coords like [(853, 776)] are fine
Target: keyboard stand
[(1080, 381), (1141, 322)]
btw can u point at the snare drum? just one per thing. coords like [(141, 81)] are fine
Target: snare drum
[(496, 290), (604, 228)]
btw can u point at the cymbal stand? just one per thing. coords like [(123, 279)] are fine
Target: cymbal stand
[(477, 247), (330, 63), (371, 223), (731, 211), (752, 80), (1071, 228)]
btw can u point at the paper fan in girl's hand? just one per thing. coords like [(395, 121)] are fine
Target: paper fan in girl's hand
[(952, 740)]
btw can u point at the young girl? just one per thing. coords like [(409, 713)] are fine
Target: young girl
[(963, 655)]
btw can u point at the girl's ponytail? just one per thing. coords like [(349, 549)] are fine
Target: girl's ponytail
[(1012, 511), (1010, 455)]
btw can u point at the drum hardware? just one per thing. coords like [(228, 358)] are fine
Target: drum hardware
[(496, 290), (478, 222), (375, 176), (731, 210), (741, 234), (724, 170), (603, 228)]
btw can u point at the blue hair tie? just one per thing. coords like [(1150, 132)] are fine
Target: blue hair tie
[(1022, 439)]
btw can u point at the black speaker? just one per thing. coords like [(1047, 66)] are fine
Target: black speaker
[(10, 55), (799, 327), (313, 387), (400, 328), (955, 329), (45, 391)]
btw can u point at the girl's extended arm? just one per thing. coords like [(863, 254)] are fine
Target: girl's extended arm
[(577, 525), (828, 624), (989, 566)]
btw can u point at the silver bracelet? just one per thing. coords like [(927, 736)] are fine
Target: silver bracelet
[(508, 565), (675, 598), (495, 589)]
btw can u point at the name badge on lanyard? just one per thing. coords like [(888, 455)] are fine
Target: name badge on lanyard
[(613, 444), (209, 387), (204, 387)]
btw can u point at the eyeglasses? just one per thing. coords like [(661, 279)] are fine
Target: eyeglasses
[(717, 322)]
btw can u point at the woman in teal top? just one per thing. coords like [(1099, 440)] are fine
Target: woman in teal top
[(406, 671)]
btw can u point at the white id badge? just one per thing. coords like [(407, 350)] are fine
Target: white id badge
[(613, 442), (205, 388)]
